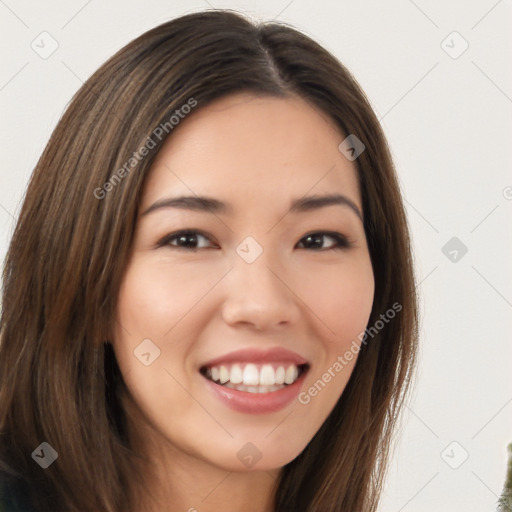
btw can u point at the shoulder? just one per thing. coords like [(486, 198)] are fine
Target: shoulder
[(14, 494)]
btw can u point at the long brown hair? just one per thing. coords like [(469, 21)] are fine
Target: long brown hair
[(59, 381)]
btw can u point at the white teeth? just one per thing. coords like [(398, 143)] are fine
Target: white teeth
[(236, 376), (240, 387), (291, 374), (280, 375), (267, 376), (251, 375), (223, 374), (253, 389)]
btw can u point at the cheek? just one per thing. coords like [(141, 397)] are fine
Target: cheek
[(157, 302), (144, 312), (342, 299), (156, 296), (152, 301)]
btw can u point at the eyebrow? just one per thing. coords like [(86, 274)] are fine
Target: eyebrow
[(212, 205)]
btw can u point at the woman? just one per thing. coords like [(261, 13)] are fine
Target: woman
[(176, 333)]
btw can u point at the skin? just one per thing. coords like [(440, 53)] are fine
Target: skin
[(257, 154)]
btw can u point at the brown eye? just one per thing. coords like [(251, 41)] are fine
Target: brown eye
[(187, 239), (315, 241), (190, 239)]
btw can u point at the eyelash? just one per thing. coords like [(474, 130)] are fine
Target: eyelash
[(341, 241)]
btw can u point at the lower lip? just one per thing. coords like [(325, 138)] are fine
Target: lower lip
[(256, 403)]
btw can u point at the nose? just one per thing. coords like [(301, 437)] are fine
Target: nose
[(259, 295)]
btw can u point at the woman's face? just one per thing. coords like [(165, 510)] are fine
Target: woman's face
[(259, 292)]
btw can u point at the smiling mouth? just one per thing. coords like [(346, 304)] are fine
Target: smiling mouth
[(254, 378)]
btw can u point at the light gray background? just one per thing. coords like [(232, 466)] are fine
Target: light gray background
[(448, 121)]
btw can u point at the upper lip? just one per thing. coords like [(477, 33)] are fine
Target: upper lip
[(257, 356)]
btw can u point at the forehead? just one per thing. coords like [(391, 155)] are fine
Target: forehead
[(247, 147)]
